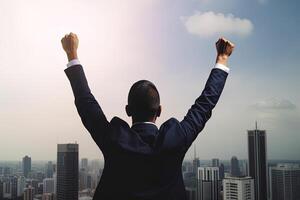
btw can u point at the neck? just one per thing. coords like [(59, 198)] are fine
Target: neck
[(134, 120)]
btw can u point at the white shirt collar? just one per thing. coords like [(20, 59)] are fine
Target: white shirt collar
[(143, 123)]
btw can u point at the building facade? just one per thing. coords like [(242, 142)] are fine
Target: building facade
[(48, 185), (285, 182), (26, 165), (235, 167), (257, 160), (238, 188), (29, 193), (67, 172), (208, 183)]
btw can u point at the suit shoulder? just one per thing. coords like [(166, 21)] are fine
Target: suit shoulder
[(170, 122), (116, 121)]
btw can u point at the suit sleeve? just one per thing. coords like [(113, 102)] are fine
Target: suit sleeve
[(88, 108), (201, 111)]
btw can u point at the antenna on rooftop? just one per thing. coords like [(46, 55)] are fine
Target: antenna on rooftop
[(195, 155)]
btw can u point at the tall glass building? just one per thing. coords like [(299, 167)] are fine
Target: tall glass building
[(67, 172), (257, 156)]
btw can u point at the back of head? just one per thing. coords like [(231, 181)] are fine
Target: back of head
[(143, 101)]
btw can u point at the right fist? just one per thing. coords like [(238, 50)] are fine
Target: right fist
[(70, 44), (224, 47)]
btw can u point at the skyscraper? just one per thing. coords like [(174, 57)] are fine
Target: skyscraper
[(235, 167), (49, 170), (48, 185), (26, 164), (28, 193), (208, 183), (241, 188), (14, 187), (48, 196), (1, 189), (84, 163), (196, 162), (222, 171), (215, 162), (21, 185), (285, 182), (82, 179), (257, 157), (190, 193), (67, 172)]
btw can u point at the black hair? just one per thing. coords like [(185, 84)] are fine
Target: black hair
[(143, 100)]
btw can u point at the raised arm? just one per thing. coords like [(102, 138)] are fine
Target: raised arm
[(201, 111), (88, 108)]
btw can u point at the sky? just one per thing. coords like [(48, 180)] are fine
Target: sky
[(171, 43)]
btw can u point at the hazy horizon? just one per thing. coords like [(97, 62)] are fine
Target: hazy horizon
[(169, 42)]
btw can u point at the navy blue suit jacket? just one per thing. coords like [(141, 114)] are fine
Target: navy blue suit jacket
[(143, 162)]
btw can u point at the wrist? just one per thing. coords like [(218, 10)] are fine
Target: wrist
[(222, 59), (72, 56)]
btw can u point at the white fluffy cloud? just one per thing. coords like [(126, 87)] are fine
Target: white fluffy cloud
[(274, 104), (210, 24)]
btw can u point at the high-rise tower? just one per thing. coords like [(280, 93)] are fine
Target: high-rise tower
[(257, 156), (67, 172), (26, 165)]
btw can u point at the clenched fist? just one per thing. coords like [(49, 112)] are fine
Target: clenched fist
[(70, 44), (224, 49)]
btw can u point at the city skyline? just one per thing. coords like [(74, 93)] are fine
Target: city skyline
[(163, 41), (205, 182)]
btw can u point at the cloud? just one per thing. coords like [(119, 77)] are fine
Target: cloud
[(210, 24), (274, 104)]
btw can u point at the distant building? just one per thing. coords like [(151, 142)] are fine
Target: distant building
[(85, 198), (1, 189), (48, 196), (285, 182), (196, 161), (6, 171), (196, 164), (222, 171), (67, 172), (208, 183), (244, 168), (89, 181), (191, 193), (215, 162), (21, 185), (7, 189), (48, 185), (257, 157), (26, 165), (82, 179), (55, 182), (235, 167), (240, 188), (14, 187), (29, 193), (84, 163), (49, 170)]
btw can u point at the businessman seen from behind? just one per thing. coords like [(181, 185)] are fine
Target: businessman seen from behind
[(143, 161)]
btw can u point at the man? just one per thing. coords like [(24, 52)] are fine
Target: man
[(143, 161)]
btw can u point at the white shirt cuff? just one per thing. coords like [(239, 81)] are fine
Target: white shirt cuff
[(222, 67), (73, 62)]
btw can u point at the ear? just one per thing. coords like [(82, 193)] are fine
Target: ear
[(158, 111), (128, 111)]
